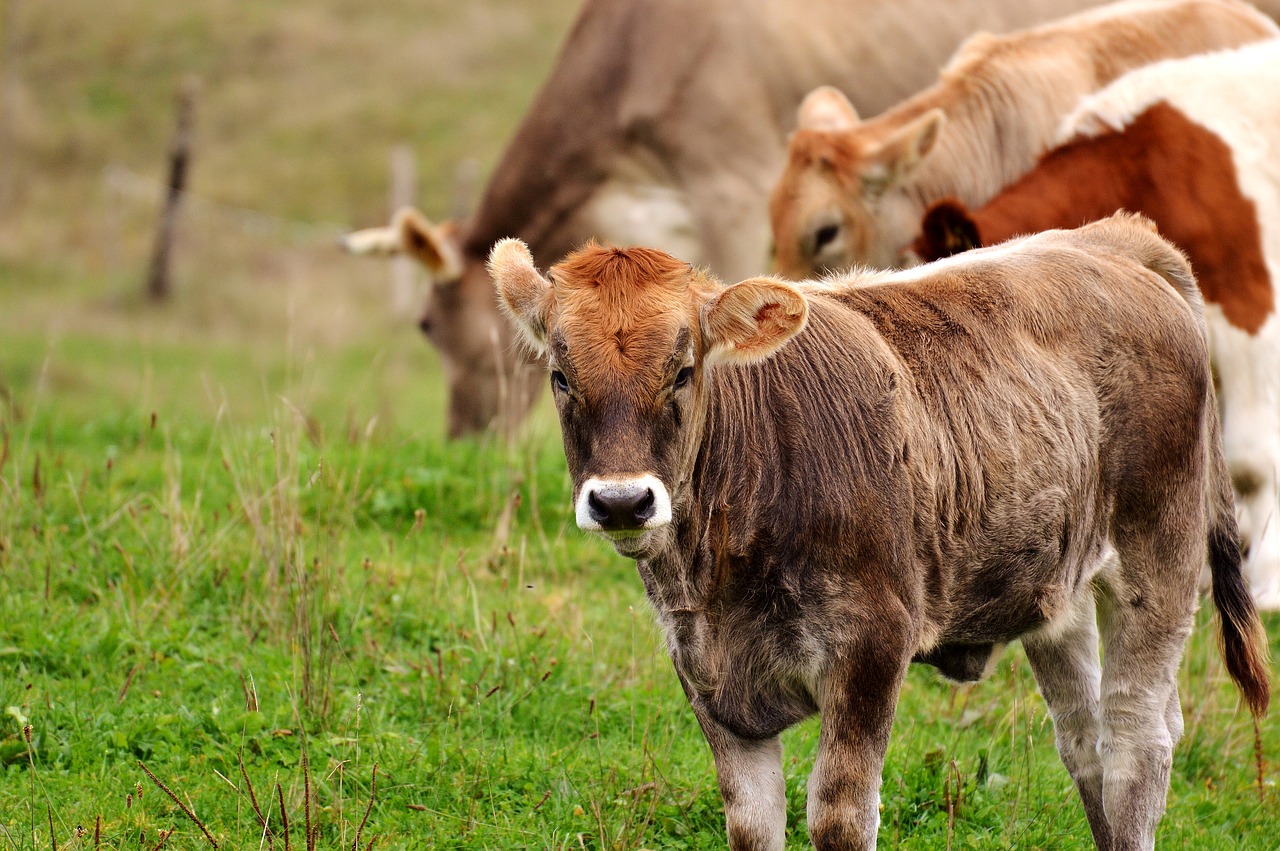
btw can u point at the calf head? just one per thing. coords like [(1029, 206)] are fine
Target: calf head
[(630, 336), (844, 197), (460, 319)]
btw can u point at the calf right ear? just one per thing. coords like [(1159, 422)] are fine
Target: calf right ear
[(749, 321), (947, 228), (525, 294)]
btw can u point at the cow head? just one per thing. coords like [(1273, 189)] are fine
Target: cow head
[(947, 228), (629, 337), (844, 197), (488, 383)]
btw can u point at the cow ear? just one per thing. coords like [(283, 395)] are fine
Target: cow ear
[(750, 321), (436, 247), (827, 109), (898, 156), (525, 294), (948, 228)]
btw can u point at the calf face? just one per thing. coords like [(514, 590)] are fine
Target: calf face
[(842, 197), (629, 384)]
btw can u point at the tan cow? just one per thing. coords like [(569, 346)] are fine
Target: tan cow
[(664, 123), (854, 191), (820, 483)]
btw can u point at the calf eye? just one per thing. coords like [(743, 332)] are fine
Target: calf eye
[(682, 377), (559, 382)]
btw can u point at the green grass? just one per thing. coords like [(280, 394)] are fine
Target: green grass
[(234, 545), (187, 595)]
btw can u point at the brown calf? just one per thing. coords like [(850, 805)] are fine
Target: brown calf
[(820, 483)]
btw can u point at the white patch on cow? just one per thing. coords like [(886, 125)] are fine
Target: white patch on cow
[(623, 487), (626, 211), (1249, 393)]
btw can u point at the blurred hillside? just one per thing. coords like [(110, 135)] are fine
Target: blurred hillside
[(301, 104)]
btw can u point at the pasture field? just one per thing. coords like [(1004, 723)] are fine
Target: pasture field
[(236, 553)]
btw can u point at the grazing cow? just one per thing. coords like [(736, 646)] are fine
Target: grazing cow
[(664, 123), (1195, 145), (853, 191), (821, 482)]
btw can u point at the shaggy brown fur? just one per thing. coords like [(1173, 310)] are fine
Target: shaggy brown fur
[(898, 467)]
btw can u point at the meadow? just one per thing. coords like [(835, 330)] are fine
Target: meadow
[(250, 597)]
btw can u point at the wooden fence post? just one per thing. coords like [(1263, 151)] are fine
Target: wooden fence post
[(158, 277), (9, 91), (404, 192)]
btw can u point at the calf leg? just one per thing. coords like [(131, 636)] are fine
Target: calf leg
[(858, 702), (1065, 661), (1145, 622), (751, 785)]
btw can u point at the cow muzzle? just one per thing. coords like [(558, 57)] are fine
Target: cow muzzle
[(623, 507)]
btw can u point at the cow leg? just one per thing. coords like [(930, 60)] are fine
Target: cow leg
[(1146, 614), (750, 776), (858, 702), (1065, 661)]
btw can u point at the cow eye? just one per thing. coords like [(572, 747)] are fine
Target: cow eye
[(682, 377), (559, 382), (825, 235)]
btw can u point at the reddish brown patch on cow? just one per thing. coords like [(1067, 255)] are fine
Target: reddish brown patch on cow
[(1172, 170)]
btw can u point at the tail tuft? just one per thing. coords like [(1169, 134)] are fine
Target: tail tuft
[(1243, 640)]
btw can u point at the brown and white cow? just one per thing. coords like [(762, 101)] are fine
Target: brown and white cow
[(664, 123), (1195, 145), (823, 482), (853, 191)]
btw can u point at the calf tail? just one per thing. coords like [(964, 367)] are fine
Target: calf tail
[(1244, 646)]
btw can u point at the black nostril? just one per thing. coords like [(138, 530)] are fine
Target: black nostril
[(599, 511), (424, 324), (645, 507)]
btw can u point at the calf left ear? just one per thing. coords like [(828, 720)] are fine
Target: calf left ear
[(525, 294), (750, 321)]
